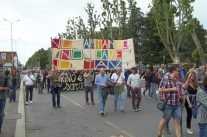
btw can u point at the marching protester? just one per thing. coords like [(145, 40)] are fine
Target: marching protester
[(154, 81), (48, 85), (88, 86), (55, 87), (29, 83), (119, 79), (202, 109), (147, 80), (4, 86), (200, 75), (191, 91), (134, 82), (183, 72), (126, 74), (13, 88), (100, 82), (170, 94)]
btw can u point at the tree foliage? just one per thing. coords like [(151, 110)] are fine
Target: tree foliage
[(40, 58)]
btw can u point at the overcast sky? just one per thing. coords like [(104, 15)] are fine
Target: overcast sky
[(42, 19)]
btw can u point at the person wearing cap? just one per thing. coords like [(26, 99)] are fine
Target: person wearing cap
[(29, 83)]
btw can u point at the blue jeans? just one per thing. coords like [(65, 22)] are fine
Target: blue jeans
[(55, 91), (101, 100), (2, 106), (203, 130), (153, 89), (121, 100), (13, 94)]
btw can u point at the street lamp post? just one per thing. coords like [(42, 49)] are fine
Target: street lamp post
[(11, 23)]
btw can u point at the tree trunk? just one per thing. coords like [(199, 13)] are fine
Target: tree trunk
[(198, 45)]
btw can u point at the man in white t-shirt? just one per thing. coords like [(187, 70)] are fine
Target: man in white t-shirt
[(119, 79), (29, 82), (134, 83)]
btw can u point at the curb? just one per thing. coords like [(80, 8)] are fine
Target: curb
[(20, 125)]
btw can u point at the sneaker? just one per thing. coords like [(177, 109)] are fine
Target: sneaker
[(139, 109), (59, 106), (30, 102), (102, 113), (54, 106), (26, 103), (134, 110), (93, 103), (160, 135), (190, 132)]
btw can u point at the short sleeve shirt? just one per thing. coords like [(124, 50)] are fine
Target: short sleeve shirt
[(28, 80), (168, 82)]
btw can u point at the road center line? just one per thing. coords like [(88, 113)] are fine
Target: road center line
[(109, 123)]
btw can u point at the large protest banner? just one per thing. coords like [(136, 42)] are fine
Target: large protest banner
[(92, 54)]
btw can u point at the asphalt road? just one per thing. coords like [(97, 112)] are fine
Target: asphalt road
[(76, 119)]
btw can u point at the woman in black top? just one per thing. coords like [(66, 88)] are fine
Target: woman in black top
[(190, 98)]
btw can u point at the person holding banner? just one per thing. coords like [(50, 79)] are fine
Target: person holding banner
[(55, 87), (119, 80), (100, 82), (88, 79)]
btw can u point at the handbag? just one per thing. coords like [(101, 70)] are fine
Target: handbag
[(162, 103), (111, 86)]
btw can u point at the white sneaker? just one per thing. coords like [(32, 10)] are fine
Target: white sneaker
[(190, 132), (30, 102), (139, 109), (134, 110), (26, 103)]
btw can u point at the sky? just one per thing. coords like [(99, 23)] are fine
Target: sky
[(42, 19)]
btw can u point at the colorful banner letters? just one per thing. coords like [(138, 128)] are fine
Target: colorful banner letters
[(92, 54)]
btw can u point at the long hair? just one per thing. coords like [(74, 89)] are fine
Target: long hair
[(195, 82)]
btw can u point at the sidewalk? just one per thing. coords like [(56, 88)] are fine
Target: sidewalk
[(14, 121), (10, 119)]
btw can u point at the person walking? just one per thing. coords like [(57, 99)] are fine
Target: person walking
[(119, 80), (29, 83), (202, 109), (4, 87), (55, 81), (147, 81), (13, 88), (88, 87), (134, 83), (100, 82), (170, 94), (126, 74), (154, 81), (191, 91)]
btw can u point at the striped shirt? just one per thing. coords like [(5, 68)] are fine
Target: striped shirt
[(168, 82)]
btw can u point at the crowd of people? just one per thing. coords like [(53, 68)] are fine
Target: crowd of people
[(177, 86)]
